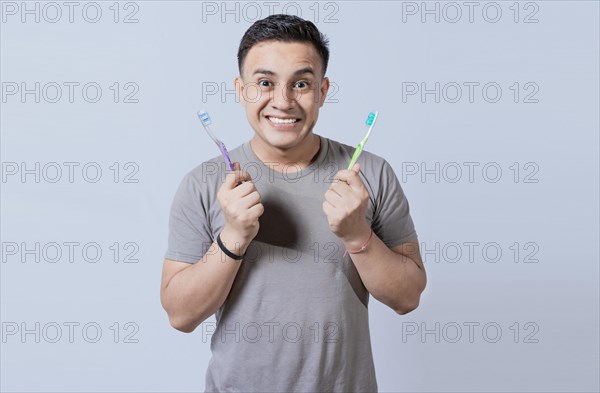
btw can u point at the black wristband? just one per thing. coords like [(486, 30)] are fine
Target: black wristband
[(226, 251)]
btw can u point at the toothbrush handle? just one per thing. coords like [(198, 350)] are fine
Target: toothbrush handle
[(226, 156), (357, 152)]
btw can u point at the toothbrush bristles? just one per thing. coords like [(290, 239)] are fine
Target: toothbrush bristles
[(371, 118), (204, 117)]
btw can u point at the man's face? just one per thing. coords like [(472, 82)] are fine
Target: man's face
[(282, 89)]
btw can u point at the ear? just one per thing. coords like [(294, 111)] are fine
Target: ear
[(239, 90), (324, 90)]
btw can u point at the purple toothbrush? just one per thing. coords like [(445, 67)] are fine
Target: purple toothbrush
[(206, 122)]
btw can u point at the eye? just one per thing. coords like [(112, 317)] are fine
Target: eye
[(301, 85), (264, 83)]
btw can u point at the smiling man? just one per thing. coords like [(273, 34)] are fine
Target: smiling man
[(287, 251)]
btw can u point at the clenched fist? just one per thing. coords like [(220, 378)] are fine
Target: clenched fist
[(240, 203), (345, 205)]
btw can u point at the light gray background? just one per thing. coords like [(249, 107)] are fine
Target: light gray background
[(171, 53)]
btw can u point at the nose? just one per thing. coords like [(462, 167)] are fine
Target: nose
[(284, 97)]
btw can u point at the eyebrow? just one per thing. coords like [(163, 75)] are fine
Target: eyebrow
[(301, 71)]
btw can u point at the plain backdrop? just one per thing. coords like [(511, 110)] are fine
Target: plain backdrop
[(488, 115)]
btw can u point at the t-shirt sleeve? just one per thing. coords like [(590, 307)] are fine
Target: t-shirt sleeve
[(392, 221), (189, 227)]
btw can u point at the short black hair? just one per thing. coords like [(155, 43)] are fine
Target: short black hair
[(286, 28)]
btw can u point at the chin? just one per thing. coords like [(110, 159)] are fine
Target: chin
[(281, 140)]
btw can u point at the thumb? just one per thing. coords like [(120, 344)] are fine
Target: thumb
[(233, 179), (356, 168)]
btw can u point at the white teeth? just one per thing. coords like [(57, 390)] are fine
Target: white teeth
[(282, 121)]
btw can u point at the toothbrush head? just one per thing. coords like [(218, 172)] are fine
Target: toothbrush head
[(371, 118), (206, 122), (204, 117)]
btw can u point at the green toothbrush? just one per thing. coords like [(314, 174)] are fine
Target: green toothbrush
[(370, 122)]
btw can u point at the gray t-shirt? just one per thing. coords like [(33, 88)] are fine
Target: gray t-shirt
[(296, 318)]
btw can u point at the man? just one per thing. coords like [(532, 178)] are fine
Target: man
[(287, 258)]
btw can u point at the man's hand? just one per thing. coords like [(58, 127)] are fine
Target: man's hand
[(394, 276), (240, 203), (345, 206)]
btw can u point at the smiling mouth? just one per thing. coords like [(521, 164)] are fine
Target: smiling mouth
[(282, 120)]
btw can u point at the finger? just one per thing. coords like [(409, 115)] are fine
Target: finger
[(243, 189), (250, 200), (333, 198), (346, 187), (343, 176), (236, 169), (328, 208), (352, 177), (257, 210), (237, 176), (340, 187)]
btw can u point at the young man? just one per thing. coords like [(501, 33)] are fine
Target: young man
[(288, 257)]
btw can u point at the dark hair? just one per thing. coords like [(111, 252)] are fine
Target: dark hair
[(286, 28)]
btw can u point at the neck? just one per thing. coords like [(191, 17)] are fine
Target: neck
[(299, 157)]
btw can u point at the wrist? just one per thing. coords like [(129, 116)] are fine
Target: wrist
[(358, 238), (234, 242)]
